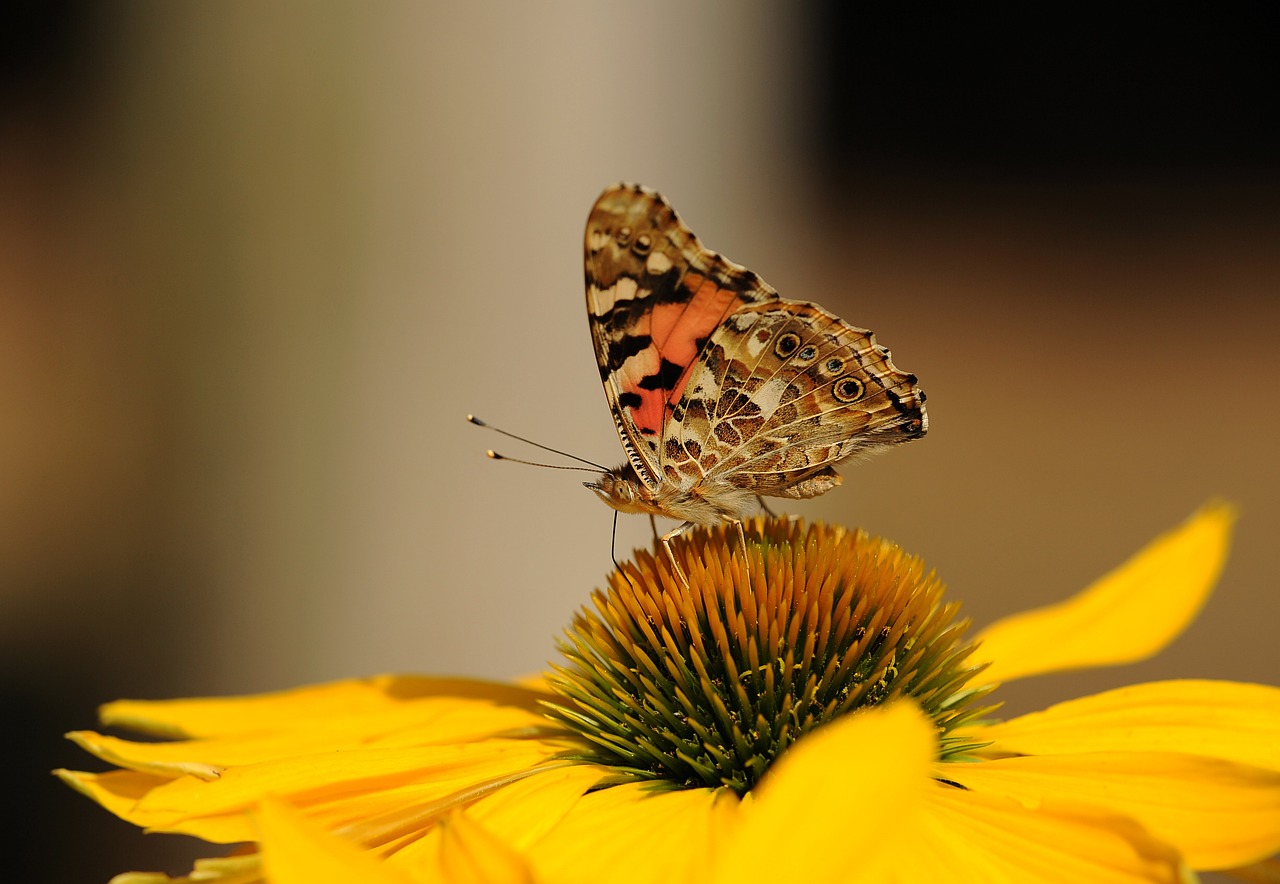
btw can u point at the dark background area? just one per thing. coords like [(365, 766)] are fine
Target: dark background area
[(1012, 92)]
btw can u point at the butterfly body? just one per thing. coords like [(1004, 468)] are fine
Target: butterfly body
[(721, 390), (704, 503)]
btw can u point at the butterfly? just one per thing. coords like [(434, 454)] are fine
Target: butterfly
[(722, 391)]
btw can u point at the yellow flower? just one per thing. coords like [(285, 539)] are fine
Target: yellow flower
[(823, 718)]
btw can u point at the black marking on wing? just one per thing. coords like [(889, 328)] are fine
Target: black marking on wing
[(664, 379), (623, 349), (662, 288)]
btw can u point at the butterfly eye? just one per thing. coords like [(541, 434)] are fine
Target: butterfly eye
[(807, 353), (835, 366), (847, 390), (787, 344)]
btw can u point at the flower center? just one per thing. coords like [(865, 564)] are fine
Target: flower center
[(707, 684)]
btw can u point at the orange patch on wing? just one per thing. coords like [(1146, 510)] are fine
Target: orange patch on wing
[(676, 328), (648, 414)]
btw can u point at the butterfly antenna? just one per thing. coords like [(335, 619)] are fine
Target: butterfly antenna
[(532, 463), (471, 418)]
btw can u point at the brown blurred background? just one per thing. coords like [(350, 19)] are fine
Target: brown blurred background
[(258, 260)]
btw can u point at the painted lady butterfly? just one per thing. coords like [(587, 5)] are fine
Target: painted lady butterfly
[(722, 391)]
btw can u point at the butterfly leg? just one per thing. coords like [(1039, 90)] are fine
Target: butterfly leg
[(764, 506), (671, 556), (613, 544)]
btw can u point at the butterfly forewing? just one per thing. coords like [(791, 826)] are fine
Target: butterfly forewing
[(655, 296)]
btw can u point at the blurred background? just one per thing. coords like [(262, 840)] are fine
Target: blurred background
[(258, 260)]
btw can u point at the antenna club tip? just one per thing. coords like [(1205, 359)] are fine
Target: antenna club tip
[(495, 456)]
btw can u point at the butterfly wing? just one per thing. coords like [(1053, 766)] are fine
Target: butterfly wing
[(655, 299), (785, 391)]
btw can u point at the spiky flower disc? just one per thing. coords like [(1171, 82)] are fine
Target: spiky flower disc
[(707, 684)]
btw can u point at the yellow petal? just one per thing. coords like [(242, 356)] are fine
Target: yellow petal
[(524, 812), (117, 790), (630, 833), (1218, 814), (1128, 615), (470, 854), (976, 836), (325, 705), (851, 791), (166, 760), (356, 781), (516, 814), (295, 851), (240, 869), (1220, 719), (414, 723)]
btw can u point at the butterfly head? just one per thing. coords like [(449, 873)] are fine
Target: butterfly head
[(622, 489)]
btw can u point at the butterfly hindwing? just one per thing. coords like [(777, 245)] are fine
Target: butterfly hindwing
[(786, 391), (655, 297)]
